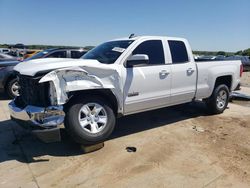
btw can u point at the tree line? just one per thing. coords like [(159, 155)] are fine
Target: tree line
[(241, 52), (43, 47)]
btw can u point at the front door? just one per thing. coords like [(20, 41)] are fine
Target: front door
[(147, 86)]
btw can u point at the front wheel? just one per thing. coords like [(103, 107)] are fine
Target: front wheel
[(218, 101), (12, 88), (90, 120)]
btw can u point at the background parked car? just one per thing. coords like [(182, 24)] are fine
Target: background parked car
[(30, 53), (4, 50), (244, 59), (19, 53), (19, 46), (74, 53), (8, 80), (6, 57)]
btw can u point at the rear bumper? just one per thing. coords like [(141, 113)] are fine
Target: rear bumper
[(37, 117)]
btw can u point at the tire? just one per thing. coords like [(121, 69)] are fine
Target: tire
[(92, 129), (218, 101), (12, 88)]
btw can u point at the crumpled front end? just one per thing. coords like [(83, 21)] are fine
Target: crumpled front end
[(66, 80), (42, 98), (33, 109)]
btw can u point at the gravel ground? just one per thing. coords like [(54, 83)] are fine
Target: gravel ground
[(245, 80)]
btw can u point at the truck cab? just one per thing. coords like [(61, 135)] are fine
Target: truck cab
[(168, 76)]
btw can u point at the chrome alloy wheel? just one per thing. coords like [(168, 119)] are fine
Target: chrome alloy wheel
[(221, 99), (93, 117), (15, 89)]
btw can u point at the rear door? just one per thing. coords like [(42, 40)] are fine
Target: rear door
[(147, 86), (183, 84)]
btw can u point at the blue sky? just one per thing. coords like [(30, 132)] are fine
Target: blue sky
[(208, 25)]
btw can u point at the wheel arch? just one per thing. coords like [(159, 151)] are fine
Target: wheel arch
[(226, 79), (107, 94), (8, 79)]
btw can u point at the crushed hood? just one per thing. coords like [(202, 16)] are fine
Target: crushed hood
[(30, 68)]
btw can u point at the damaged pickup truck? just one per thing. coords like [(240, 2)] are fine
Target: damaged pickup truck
[(118, 78)]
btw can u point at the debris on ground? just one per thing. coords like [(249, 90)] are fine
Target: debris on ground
[(91, 148), (131, 149), (198, 129), (239, 96)]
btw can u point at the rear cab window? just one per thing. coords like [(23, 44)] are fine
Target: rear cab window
[(178, 51)]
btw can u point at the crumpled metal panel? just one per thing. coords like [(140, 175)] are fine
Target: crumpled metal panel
[(84, 78)]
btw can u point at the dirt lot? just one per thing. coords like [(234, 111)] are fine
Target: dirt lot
[(179, 146), (246, 79)]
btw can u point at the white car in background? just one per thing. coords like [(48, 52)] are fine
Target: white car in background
[(4, 50)]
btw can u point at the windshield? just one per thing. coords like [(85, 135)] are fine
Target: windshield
[(108, 52)]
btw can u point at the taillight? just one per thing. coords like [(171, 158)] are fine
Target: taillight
[(241, 70)]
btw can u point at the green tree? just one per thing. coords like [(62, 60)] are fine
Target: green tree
[(221, 53), (246, 52), (239, 52)]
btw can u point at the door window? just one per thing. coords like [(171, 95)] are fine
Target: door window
[(178, 51), (154, 50)]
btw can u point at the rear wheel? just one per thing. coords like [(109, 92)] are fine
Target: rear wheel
[(12, 88), (90, 120), (218, 101)]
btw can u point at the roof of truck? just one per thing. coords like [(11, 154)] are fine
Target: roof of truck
[(149, 37)]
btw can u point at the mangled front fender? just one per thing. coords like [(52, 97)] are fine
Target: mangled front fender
[(63, 81)]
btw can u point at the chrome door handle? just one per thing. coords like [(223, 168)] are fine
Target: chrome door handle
[(164, 72), (190, 70)]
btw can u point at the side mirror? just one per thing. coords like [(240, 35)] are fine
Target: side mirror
[(137, 59)]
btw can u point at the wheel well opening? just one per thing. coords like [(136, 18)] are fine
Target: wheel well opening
[(11, 77), (227, 80), (106, 94)]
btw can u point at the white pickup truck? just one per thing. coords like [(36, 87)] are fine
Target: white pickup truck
[(118, 78)]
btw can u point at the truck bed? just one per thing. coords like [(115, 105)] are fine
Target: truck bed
[(209, 70)]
